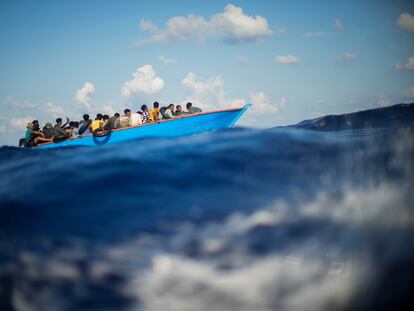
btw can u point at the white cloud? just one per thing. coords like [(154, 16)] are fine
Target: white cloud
[(383, 101), (287, 59), (82, 96), (10, 102), (145, 81), (167, 61), (409, 65), (18, 124), (347, 57), (338, 24), (54, 110), (232, 24), (262, 105), (406, 22), (209, 93)]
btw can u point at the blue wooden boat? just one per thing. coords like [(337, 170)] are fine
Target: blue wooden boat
[(179, 126)]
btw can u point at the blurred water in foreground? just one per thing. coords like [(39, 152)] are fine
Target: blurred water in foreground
[(317, 216)]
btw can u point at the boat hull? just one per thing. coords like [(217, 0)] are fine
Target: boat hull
[(180, 126)]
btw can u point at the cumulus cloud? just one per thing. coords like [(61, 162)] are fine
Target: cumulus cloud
[(338, 24), (347, 57), (262, 105), (232, 25), (167, 61), (82, 96), (54, 110), (144, 81), (287, 59), (406, 22), (209, 93), (409, 64)]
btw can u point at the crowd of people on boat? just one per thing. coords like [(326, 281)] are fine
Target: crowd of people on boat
[(101, 124)]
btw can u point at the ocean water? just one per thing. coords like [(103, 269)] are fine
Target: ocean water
[(315, 216)]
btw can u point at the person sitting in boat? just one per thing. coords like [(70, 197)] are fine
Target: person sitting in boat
[(36, 135), (135, 119), (59, 132), (169, 112), (114, 122), (97, 125), (125, 118), (105, 119), (145, 114), (192, 109), (69, 129), (155, 112), (48, 130), (75, 129), (179, 111), (84, 125)]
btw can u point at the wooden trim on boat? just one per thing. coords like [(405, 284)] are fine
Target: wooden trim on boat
[(152, 123)]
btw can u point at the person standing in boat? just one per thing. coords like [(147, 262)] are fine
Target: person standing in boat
[(192, 109), (155, 112)]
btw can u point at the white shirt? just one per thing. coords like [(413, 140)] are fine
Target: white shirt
[(135, 119)]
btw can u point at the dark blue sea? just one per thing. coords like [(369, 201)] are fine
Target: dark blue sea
[(313, 216)]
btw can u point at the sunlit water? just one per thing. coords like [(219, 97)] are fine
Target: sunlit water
[(277, 219)]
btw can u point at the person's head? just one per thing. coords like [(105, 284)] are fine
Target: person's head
[(127, 112), (85, 117), (48, 125), (179, 108), (71, 124), (171, 107), (29, 125), (99, 116), (156, 104), (59, 121), (189, 105), (76, 125), (105, 117), (144, 108), (35, 125), (117, 115)]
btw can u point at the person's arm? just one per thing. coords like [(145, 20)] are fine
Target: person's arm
[(38, 133), (67, 122)]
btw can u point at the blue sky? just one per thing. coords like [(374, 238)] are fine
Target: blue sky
[(292, 59)]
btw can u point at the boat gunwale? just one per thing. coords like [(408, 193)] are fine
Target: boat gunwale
[(151, 123)]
